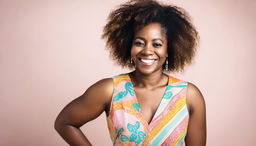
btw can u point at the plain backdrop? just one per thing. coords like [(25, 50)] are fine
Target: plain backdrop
[(51, 51)]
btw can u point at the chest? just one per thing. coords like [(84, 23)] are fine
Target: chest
[(149, 101)]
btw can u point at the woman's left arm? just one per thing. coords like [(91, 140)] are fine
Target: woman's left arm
[(196, 133)]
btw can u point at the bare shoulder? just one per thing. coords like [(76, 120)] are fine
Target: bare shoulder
[(102, 89), (193, 91), (194, 97), (105, 85)]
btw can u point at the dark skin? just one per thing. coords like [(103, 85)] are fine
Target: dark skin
[(149, 51)]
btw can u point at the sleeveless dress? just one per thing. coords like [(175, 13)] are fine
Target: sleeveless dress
[(128, 127)]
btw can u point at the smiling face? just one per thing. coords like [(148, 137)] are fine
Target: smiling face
[(149, 49)]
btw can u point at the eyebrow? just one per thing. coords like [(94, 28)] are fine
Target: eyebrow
[(153, 39)]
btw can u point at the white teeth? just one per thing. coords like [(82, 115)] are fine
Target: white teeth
[(148, 61)]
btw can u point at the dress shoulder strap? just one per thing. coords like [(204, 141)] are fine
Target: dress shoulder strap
[(119, 78), (176, 81)]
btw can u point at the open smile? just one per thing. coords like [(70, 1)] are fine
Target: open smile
[(147, 61)]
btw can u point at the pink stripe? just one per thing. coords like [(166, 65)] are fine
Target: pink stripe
[(179, 129), (155, 122)]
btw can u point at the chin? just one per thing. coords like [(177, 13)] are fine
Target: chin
[(148, 71)]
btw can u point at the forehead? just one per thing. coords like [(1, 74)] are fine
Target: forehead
[(152, 30)]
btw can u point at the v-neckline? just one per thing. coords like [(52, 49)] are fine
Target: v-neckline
[(137, 101)]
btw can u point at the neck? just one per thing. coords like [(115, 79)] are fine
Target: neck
[(150, 81)]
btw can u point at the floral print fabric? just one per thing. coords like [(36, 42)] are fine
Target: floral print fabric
[(127, 126)]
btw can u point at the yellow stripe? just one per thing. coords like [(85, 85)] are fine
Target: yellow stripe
[(124, 104), (173, 80), (178, 106)]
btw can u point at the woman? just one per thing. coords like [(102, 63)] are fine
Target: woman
[(145, 106)]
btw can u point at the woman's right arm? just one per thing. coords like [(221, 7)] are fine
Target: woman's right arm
[(82, 110)]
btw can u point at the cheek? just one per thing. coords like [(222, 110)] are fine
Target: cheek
[(163, 53), (134, 51)]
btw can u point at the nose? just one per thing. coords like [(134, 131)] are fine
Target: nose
[(148, 49)]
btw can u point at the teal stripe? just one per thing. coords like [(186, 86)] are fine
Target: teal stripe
[(170, 125), (176, 86)]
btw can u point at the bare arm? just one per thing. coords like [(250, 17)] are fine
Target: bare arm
[(196, 134), (82, 110)]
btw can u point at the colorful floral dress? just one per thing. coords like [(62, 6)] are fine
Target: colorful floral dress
[(127, 125)]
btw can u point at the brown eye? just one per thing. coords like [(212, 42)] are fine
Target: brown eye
[(156, 45), (139, 44)]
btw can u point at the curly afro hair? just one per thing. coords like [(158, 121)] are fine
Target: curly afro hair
[(129, 17)]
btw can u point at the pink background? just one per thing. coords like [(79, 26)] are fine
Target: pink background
[(51, 52)]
